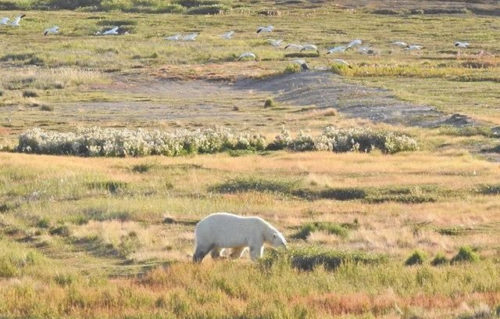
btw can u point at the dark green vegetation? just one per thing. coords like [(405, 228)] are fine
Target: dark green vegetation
[(416, 258), (404, 194), (465, 254), (146, 6)]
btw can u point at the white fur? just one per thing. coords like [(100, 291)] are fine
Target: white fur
[(224, 230)]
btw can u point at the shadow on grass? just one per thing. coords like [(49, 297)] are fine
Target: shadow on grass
[(307, 259), (412, 194)]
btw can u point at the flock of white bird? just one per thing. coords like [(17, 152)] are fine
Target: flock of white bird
[(277, 43)]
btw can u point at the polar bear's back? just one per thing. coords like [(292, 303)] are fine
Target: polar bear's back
[(228, 230)]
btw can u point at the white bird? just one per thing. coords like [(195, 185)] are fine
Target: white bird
[(414, 47), (52, 30), (16, 21), (190, 37), (275, 43), (4, 21), (400, 44), (354, 43), (228, 35), (302, 63), (341, 48), (175, 37), (112, 31), (309, 47), (459, 44), (247, 55), (342, 62), (269, 28), (294, 46), (366, 50)]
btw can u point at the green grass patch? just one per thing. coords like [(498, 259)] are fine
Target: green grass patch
[(465, 255), (347, 193), (439, 260), (247, 184), (407, 194), (330, 228), (414, 194), (269, 103), (112, 187), (467, 131), (416, 258), (492, 189), (454, 231)]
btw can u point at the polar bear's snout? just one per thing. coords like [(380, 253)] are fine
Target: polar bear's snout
[(279, 240)]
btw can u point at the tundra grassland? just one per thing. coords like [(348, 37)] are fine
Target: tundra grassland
[(412, 234)]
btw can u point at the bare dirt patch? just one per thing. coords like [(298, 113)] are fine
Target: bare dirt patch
[(324, 90), (202, 100)]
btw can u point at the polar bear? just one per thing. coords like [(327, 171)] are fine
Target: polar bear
[(224, 230)]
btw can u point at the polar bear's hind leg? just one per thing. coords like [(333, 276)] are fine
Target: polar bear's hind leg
[(236, 252)]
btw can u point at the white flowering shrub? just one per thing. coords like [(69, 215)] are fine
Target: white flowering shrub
[(124, 142), (366, 140), (281, 141), (345, 140)]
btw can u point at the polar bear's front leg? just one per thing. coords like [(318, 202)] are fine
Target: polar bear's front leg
[(256, 252), (200, 253), (215, 253)]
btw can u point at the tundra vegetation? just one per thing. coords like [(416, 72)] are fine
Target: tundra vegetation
[(114, 147)]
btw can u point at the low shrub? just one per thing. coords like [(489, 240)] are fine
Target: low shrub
[(269, 103), (128, 244), (30, 93), (416, 258), (47, 108), (43, 223), (465, 255), (439, 259), (210, 9), (292, 68), (62, 230), (124, 142)]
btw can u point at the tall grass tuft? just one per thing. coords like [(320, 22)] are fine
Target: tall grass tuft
[(465, 255), (416, 258)]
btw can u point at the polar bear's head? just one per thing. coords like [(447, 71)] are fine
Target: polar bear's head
[(278, 240)]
